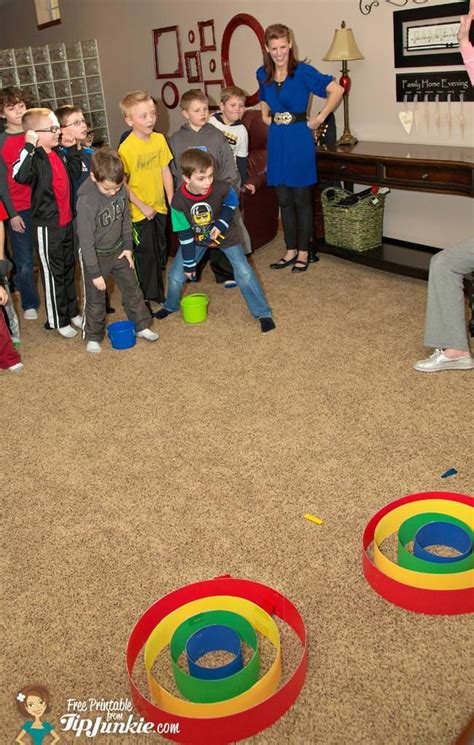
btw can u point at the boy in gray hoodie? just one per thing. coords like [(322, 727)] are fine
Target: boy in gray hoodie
[(105, 239), (198, 133)]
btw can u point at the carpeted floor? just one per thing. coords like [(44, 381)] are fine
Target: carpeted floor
[(134, 472)]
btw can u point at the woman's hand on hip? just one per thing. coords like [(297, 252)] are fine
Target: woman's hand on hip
[(314, 122)]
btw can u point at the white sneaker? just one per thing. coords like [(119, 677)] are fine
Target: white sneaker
[(30, 315), (148, 335), (77, 321), (93, 346), (229, 284), (16, 368), (67, 331), (438, 361)]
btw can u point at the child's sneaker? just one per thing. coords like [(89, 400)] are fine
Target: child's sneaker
[(229, 284), (77, 321), (162, 313), (67, 331), (148, 335), (267, 324), (16, 368), (30, 315), (93, 347)]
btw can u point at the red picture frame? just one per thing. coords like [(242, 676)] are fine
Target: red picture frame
[(175, 66), (207, 44), (242, 19), (192, 61)]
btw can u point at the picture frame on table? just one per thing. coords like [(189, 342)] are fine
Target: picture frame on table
[(167, 52), (427, 36)]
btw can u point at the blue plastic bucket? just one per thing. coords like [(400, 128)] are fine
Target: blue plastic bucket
[(122, 334)]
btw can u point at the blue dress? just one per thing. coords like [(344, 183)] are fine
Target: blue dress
[(37, 735), (291, 148)]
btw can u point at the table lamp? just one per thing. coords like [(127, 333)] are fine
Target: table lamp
[(344, 48)]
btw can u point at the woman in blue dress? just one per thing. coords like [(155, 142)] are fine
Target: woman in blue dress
[(286, 86)]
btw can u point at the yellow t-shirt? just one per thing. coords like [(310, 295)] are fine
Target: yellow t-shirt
[(143, 161)]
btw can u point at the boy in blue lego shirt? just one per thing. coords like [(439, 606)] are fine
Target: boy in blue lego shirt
[(202, 213)]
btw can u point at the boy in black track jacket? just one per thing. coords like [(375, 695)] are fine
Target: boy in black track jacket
[(49, 174)]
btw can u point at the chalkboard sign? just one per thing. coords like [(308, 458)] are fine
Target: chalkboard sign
[(432, 84)]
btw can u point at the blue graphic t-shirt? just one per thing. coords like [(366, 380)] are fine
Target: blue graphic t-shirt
[(37, 735)]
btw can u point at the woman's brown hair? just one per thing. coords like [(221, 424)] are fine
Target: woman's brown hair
[(33, 690), (277, 31)]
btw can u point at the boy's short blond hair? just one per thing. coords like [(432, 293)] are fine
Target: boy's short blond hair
[(31, 117), (195, 94), (232, 91), (132, 99)]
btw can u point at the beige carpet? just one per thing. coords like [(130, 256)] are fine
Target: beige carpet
[(134, 472)]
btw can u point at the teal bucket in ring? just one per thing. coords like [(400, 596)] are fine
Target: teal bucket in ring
[(122, 334), (194, 307)]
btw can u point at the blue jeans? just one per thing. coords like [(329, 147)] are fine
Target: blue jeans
[(22, 245), (244, 276)]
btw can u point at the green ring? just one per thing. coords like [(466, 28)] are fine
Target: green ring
[(212, 691), (406, 533)]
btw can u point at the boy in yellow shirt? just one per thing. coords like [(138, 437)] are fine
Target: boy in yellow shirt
[(145, 156)]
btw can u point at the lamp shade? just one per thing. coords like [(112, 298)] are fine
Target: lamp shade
[(343, 46)]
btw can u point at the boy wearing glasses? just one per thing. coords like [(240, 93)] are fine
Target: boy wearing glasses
[(74, 133), (49, 174)]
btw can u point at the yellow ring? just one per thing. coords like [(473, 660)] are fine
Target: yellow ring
[(391, 522), (161, 636)]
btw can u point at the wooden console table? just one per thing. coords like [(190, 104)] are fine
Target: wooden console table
[(426, 168)]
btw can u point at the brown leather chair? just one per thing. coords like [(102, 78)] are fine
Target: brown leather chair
[(259, 210)]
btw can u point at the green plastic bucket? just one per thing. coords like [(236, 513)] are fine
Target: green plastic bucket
[(194, 307)]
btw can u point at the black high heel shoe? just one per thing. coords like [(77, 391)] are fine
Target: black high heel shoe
[(282, 264)]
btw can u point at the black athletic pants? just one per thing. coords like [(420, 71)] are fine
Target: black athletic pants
[(149, 238), (55, 247)]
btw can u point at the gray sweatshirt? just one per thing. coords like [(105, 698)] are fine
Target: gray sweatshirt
[(103, 224), (212, 141)]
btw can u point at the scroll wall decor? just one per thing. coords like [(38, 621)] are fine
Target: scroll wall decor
[(365, 6)]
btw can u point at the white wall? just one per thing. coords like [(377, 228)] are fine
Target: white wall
[(123, 31)]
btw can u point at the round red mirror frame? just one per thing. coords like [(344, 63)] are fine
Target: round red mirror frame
[(242, 19), (172, 104)]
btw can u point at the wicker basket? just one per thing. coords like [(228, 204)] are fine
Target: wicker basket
[(358, 227)]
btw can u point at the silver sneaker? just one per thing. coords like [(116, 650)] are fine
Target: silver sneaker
[(438, 361)]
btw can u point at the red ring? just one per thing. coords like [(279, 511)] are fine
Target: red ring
[(235, 726), (175, 101), (433, 602), (242, 19)]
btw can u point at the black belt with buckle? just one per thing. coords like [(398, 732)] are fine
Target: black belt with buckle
[(287, 117)]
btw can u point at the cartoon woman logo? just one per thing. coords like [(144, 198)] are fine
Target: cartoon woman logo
[(33, 701)]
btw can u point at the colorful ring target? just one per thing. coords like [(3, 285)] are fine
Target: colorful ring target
[(420, 589), (175, 618)]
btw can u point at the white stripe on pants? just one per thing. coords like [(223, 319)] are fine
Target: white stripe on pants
[(49, 286)]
